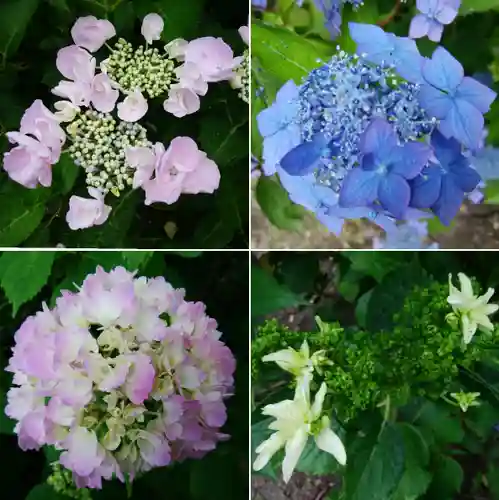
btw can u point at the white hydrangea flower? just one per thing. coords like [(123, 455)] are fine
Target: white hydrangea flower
[(299, 363), (473, 310), (295, 421)]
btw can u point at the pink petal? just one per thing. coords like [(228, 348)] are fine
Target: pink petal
[(91, 33), (76, 64), (205, 179)]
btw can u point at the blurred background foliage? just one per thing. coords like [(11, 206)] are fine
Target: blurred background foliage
[(31, 33), (219, 279)]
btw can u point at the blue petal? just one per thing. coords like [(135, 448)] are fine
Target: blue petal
[(476, 94), (465, 123), (407, 59), (304, 158), (379, 138), (447, 150), (360, 188), (465, 177), (435, 102), (394, 195), (486, 163), (443, 70), (450, 201), (414, 156), (373, 41), (426, 188), (277, 145)]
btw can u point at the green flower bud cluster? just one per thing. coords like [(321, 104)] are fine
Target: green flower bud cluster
[(144, 68), (62, 482), (98, 145), (420, 356), (242, 73)]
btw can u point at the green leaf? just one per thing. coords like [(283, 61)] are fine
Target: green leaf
[(136, 260), (316, 462), (376, 264), (222, 140), (6, 424), (414, 483), (493, 480), (349, 286), (472, 6), (22, 211), (189, 254), (15, 16), (65, 173), (284, 54), (417, 452), (362, 307), (51, 454), (275, 203), (267, 295), (437, 418), (23, 275), (375, 471), (44, 492), (388, 297), (448, 478)]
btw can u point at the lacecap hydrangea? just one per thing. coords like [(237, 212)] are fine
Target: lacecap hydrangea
[(384, 134), (103, 136), (123, 376)]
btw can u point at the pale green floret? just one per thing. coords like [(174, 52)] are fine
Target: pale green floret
[(144, 68), (98, 145)]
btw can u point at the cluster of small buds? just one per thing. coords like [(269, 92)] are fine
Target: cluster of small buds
[(341, 98), (61, 481), (144, 68), (243, 79), (98, 146)]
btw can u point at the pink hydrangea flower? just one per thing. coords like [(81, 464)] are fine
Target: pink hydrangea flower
[(91, 33), (245, 34), (39, 144), (183, 168), (87, 212), (213, 57), (181, 101), (191, 78), (105, 356), (152, 27), (133, 108)]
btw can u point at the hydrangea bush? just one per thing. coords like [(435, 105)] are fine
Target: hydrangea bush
[(391, 401), (121, 376), (114, 119), (370, 124)]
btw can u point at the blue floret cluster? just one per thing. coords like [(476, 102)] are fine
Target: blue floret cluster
[(384, 134)]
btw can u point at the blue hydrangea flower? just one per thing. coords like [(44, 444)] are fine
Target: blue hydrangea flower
[(458, 101), (384, 172), (486, 163), (434, 14), (381, 48), (410, 235), (278, 127), (259, 4), (443, 184)]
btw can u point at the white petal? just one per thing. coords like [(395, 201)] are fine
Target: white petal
[(468, 327), (267, 449), (319, 401), (466, 287), (328, 441), (294, 449)]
